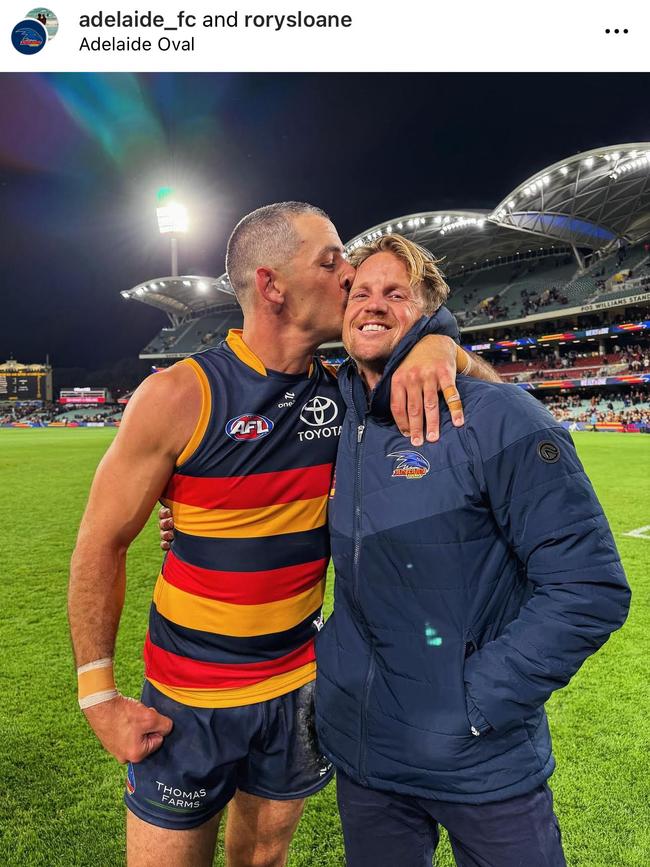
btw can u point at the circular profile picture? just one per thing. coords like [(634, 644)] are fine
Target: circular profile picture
[(29, 36), (47, 18)]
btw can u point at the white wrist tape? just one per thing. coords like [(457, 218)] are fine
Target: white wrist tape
[(96, 682)]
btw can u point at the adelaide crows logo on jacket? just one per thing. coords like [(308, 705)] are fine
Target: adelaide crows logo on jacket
[(409, 465)]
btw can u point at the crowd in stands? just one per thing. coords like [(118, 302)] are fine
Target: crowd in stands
[(637, 358), (529, 303), (631, 263), (492, 309), (42, 414), (624, 407), (641, 276), (546, 365), (534, 301), (37, 413)]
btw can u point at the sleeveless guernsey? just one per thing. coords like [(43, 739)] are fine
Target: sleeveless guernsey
[(237, 605)]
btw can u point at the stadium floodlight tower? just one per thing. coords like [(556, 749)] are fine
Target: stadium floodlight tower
[(172, 221)]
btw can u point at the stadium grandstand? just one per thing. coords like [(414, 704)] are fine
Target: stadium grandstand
[(26, 400), (551, 286)]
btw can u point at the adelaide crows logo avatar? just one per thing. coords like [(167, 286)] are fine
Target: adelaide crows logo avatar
[(409, 465), (28, 36), (31, 34)]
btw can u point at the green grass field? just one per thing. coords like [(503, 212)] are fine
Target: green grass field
[(61, 794)]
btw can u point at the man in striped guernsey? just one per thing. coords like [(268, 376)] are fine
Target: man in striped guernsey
[(239, 441), (251, 497)]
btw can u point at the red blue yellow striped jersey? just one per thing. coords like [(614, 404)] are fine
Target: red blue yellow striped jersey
[(238, 601)]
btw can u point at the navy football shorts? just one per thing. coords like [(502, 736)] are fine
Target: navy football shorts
[(267, 749)]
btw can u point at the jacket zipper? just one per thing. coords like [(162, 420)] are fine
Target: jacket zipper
[(356, 523), (356, 562)]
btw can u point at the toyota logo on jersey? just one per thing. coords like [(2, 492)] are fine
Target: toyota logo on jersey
[(249, 427), (319, 411)]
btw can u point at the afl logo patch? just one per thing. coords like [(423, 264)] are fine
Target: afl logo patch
[(548, 452), (130, 779), (249, 427)]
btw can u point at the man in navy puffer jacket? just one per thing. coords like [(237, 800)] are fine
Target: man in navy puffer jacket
[(473, 578)]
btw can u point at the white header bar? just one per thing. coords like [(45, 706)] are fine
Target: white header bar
[(328, 36)]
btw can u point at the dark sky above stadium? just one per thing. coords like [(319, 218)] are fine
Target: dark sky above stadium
[(82, 156)]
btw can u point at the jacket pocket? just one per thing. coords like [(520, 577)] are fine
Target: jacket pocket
[(476, 722)]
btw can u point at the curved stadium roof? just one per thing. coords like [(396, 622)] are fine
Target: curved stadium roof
[(462, 239), (587, 201), (186, 295)]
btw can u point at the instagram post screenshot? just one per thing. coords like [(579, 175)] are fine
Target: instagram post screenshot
[(325, 434)]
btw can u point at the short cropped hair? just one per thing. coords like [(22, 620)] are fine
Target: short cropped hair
[(266, 236), (421, 266)]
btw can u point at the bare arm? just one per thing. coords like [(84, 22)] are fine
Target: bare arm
[(158, 423), (480, 369)]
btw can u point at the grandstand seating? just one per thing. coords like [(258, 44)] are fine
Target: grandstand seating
[(195, 335), (581, 289), (84, 413), (507, 282), (634, 257), (586, 287), (478, 286), (525, 370), (621, 293), (549, 273), (585, 407)]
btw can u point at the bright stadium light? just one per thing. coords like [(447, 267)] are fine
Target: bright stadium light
[(589, 162), (172, 221), (564, 170)]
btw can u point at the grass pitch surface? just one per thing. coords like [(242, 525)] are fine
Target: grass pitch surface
[(61, 794)]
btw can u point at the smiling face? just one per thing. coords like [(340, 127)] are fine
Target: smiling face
[(382, 308)]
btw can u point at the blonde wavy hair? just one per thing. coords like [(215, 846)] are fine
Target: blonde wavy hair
[(421, 267)]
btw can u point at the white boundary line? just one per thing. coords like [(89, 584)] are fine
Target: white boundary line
[(640, 533)]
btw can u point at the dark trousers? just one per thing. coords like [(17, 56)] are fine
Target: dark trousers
[(384, 829)]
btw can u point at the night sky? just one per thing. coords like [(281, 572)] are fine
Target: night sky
[(81, 158)]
